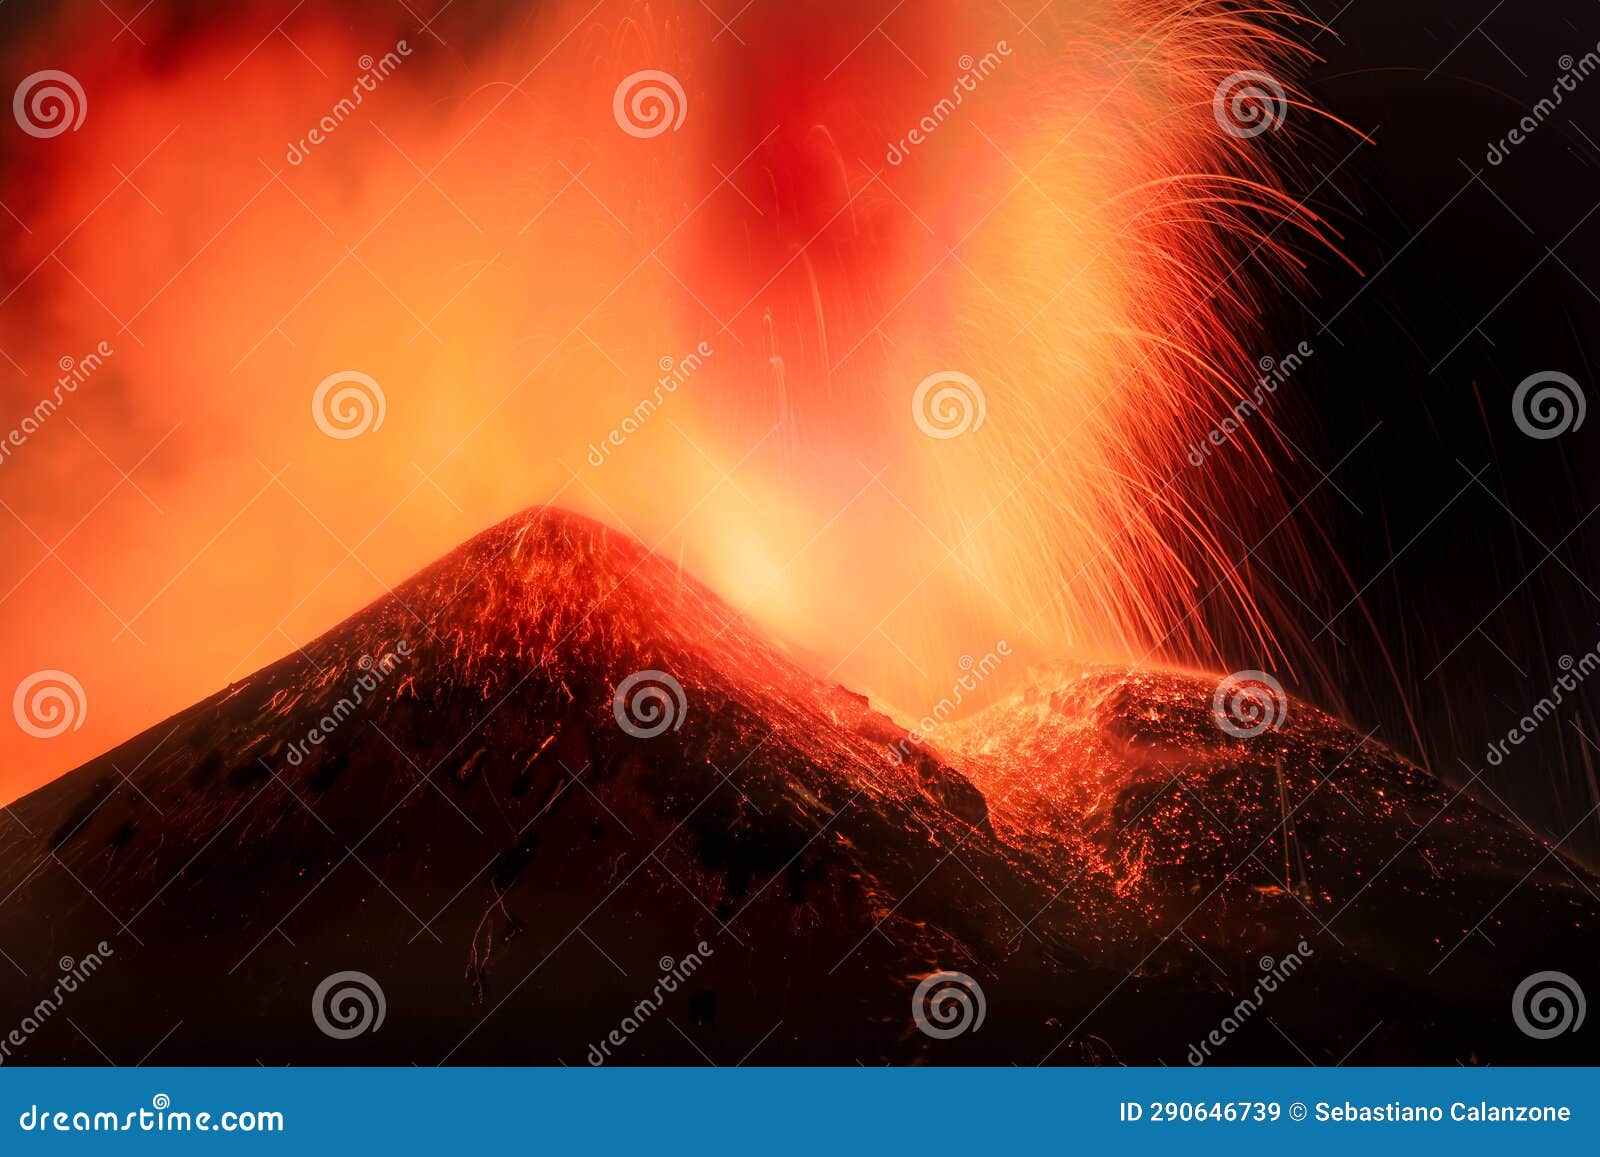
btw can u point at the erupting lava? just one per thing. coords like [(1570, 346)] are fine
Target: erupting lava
[(1053, 226)]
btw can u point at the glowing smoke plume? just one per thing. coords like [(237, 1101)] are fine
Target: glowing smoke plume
[(521, 256)]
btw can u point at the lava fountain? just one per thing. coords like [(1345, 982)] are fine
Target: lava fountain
[(894, 323)]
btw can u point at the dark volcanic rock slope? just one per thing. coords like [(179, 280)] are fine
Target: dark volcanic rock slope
[(448, 803), (442, 795), (1423, 910)]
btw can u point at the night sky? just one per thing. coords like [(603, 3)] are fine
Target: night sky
[(1478, 275)]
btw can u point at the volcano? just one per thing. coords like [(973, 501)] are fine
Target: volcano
[(552, 801)]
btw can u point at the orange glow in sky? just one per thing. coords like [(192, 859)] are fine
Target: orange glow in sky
[(710, 336)]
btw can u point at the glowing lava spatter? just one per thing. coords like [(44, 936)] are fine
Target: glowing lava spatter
[(1071, 262), (858, 198)]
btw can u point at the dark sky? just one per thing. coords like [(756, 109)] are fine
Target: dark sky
[(1470, 541)]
